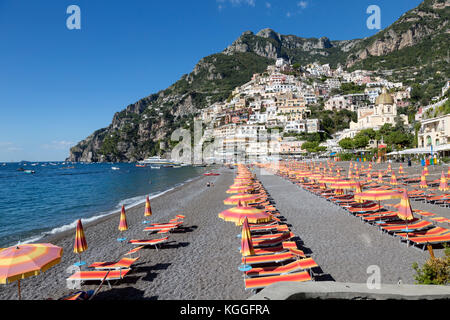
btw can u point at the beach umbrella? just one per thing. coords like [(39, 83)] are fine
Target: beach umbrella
[(401, 170), (423, 182), (380, 177), (246, 240), (123, 225), (425, 171), (370, 166), (148, 208), (393, 180), (448, 173), (377, 195), (369, 176), (389, 169), (443, 186), (405, 211), (239, 189), (237, 215), (80, 242), (244, 198), (23, 261)]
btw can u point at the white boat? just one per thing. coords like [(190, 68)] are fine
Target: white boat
[(155, 167), (115, 168)]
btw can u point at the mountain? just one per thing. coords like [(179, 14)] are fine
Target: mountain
[(414, 49)]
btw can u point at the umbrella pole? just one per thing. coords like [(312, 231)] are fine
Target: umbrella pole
[(18, 287)]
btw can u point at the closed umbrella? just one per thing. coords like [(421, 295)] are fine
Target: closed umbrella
[(123, 225), (443, 185), (80, 242)]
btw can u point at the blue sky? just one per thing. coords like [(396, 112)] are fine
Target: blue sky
[(57, 86)]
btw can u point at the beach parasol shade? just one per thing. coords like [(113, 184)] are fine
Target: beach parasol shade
[(423, 181), (404, 209), (425, 171), (377, 195), (244, 198), (239, 189), (246, 240), (123, 225), (80, 240), (369, 176), (401, 170), (393, 180), (23, 261), (237, 215), (148, 208), (443, 185), (344, 184), (380, 177)]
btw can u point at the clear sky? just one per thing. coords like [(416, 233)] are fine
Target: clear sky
[(57, 86)]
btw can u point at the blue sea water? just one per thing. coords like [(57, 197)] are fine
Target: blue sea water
[(52, 199)]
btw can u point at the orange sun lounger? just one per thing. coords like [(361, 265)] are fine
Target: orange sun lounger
[(269, 258), (99, 275), (436, 231), (298, 265), (424, 241), (274, 241), (153, 242), (124, 263), (262, 282), (419, 225)]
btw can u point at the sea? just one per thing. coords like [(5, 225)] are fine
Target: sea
[(58, 194)]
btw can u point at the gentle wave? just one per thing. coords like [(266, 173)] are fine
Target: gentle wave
[(131, 203)]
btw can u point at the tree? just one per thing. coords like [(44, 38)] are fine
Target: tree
[(361, 141), (346, 144)]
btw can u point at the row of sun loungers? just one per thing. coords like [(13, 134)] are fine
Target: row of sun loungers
[(277, 258), (418, 232), (118, 270)]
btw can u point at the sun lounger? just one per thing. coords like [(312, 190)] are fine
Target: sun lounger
[(134, 250), (154, 242), (436, 231), (166, 227), (424, 241), (99, 275), (419, 225), (441, 219), (298, 265), (262, 282), (273, 241), (124, 263), (268, 258)]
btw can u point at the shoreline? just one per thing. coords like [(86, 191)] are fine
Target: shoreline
[(99, 219)]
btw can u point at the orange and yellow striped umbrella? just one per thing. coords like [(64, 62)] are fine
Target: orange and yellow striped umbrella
[(377, 195), (344, 184), (369, 176), (23, 261), (148, 208), (389, 169), (237, 215), (123, 225), (423, 182), (380, 177), (393, 180), (80, 240), (246, 240), (425, 171), (401, 170), (244, 198), (239, 189), (405, 211), (443, 185)]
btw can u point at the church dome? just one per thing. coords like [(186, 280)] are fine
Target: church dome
[(384, 98)]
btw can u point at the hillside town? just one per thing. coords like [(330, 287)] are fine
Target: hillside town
[(275, 113)]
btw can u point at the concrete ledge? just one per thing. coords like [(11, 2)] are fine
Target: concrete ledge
[(350, 291)]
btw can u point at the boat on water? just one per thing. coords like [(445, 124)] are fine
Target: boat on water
[(155, 167), (141, 165), (29, 171), (115, 168)]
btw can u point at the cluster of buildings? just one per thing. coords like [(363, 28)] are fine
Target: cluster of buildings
[(270, 113)]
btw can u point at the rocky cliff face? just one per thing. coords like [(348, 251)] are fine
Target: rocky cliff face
[(138, 131)]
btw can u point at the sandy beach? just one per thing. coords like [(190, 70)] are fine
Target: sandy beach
[(200, 262)]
